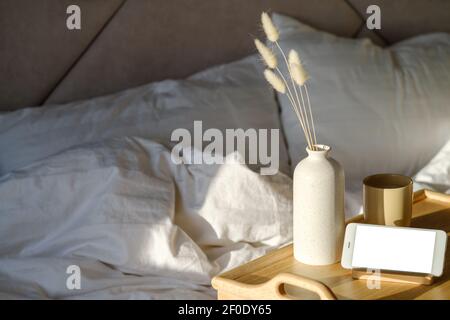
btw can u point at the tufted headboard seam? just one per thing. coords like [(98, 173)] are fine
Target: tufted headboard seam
[(72, 66)]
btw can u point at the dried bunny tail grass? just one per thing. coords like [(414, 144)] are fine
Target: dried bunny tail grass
[(293, 57), (267, 54), (269, 28), (298, 74), (275, 81)]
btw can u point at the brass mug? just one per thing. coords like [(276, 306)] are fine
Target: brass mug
[(388, 199)]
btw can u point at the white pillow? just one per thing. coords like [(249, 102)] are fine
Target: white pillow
[(227, 96), (380, 110), (436, 174)]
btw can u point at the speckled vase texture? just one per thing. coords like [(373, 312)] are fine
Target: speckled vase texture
[(319, 224)]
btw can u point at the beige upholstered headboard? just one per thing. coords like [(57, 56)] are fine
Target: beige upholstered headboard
[(125, 43)]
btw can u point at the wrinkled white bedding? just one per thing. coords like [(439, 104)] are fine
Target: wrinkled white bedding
[(137, 225), (140, 227), (436, 174)]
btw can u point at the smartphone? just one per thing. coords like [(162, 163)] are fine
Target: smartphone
[(394, 249)]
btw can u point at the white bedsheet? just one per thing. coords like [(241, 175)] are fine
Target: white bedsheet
[(137, 225), (140, 227)]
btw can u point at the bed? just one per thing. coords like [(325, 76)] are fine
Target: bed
[(88, 184)]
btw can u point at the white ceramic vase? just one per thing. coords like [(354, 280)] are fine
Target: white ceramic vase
[(318, 208)]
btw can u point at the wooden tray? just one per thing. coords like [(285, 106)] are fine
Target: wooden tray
[(278, 275)]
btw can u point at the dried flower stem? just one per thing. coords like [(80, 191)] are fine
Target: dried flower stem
[(298, 105), (307, 118), (295, 108), (304, 113), (297, 75), (310, 112)]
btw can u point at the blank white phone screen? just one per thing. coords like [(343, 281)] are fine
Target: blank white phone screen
[(393, 249)]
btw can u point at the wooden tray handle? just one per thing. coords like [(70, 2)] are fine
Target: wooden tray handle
[(315, 286), (270, 290)]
